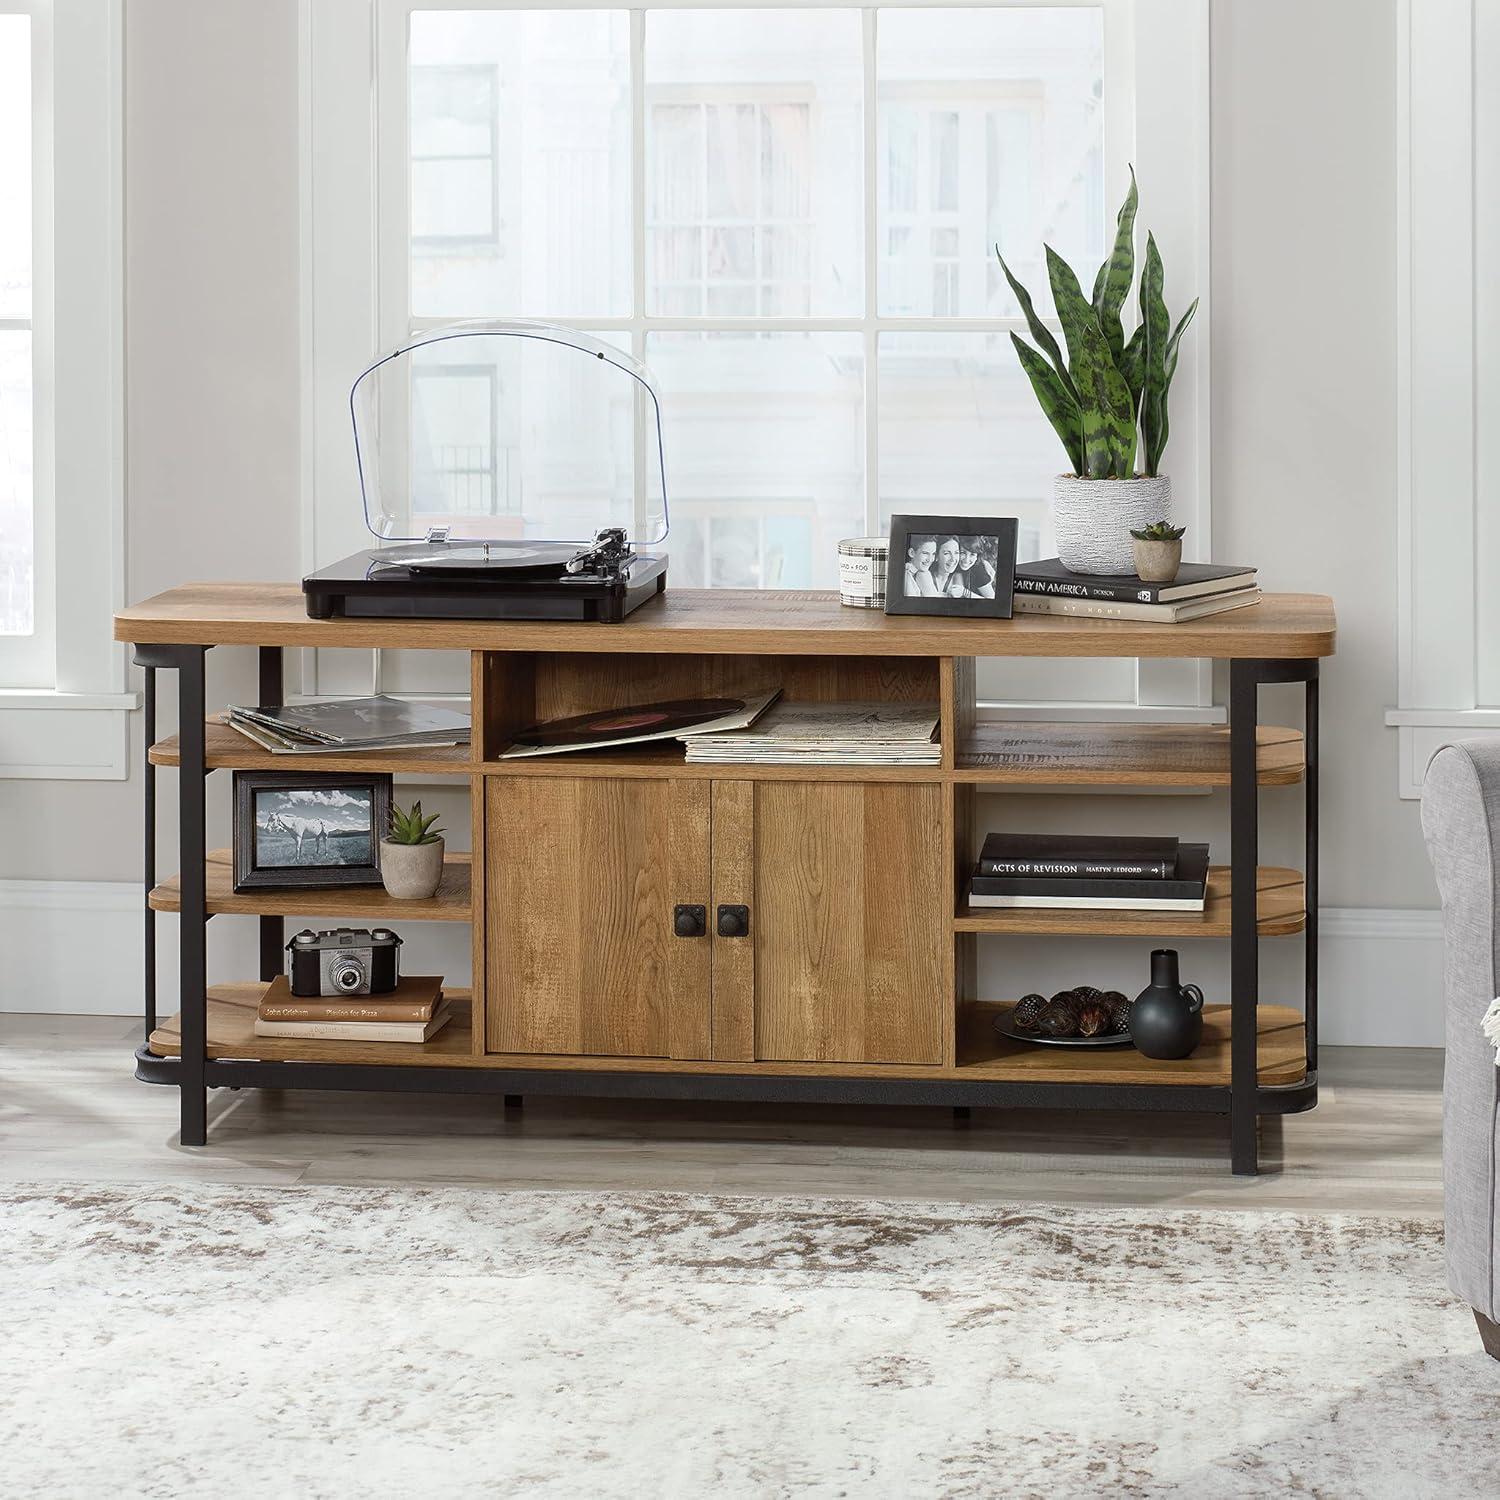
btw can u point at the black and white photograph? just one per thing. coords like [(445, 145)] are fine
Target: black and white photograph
[(300, 830), (951, 565)]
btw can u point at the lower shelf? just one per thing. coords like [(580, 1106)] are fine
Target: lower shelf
[(1280, 1048), (982, 1055), (231, 1033)]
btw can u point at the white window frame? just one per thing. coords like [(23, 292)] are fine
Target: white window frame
[(355, 259), (1448, 382), (66, 717)]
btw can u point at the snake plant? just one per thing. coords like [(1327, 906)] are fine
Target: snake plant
[(411, 827), (1108, 400)]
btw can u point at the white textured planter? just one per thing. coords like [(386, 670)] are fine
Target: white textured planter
[(411, 872), (1092, 519)]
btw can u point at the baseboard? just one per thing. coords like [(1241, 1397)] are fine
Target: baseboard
[(75, 947), (1380, 977)]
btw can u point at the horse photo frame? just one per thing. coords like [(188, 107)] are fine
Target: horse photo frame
[(293, 829)]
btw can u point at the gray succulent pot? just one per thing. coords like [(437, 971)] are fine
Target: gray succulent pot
[(411, 872), (1157, 562), (1092, 519)]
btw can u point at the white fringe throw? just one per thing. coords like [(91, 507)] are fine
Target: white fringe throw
[(1490, 1026)]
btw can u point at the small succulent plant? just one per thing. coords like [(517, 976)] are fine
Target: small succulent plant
[(411, 827), (1159, 531)]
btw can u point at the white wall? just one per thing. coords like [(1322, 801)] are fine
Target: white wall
[(1303, 445)]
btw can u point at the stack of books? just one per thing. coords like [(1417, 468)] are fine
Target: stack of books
[(1199, 589), (827, 734), (345, 724), (415, 1011), (1090, 873)]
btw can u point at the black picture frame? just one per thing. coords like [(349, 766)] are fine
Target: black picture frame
[(910, 531), (250, 874)]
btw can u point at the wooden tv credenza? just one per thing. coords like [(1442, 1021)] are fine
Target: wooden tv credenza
[(849, 975)]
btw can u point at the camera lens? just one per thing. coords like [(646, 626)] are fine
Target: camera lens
[(347, 973)]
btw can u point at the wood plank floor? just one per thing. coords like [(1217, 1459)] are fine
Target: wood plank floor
[(71, 1110)]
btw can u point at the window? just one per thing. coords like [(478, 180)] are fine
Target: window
[(24, 615), (62, 678), (790, 215), (455, 159)]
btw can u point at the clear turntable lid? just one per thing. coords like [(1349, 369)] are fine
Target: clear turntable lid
[(508, 431)]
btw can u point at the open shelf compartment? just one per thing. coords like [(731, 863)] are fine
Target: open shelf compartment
[(1281, 1053)]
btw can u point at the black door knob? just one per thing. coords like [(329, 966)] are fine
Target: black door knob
[(734, 921), (690, 921)]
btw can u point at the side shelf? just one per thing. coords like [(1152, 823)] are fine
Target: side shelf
[(368, 902), (993, 752), (1281, 1053), (226, 748), (1279, 906)]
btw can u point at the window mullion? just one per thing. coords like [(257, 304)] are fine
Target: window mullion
[(872, 267)]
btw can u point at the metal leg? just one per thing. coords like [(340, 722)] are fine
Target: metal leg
[(149, 867), (1310, 873), (194, 942), (272, 929), (1244, 940)]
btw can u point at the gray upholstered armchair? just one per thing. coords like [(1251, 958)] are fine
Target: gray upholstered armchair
[(1461, 821)]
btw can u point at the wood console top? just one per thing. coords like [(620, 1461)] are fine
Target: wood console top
[(731, 622)]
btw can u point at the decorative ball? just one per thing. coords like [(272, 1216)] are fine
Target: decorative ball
[(1028, 1008), (1061, 1015), (1093, 1019)]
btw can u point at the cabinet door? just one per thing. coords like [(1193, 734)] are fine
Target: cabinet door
[(581, 880), (849, 922)]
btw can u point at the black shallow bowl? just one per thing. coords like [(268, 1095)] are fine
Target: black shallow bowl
[(1006, 1027)]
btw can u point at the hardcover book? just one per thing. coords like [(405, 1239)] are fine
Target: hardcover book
[(1077, 856), (1193, 580), (358, 1031), (1186, 890), (1111, 609), (415, 998)]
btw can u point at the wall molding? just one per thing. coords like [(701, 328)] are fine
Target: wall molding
[(75, 947)]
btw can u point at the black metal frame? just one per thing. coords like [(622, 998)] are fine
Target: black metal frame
[(1244, 1100)]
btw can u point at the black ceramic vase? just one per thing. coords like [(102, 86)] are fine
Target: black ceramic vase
[(1166, 1020)]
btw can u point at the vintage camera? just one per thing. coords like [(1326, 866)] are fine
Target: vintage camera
[(344, 961)]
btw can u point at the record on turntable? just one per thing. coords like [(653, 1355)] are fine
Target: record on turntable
[(479, 557), (498, 469)]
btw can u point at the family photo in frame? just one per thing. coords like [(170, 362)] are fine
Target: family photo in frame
[(951, 565)]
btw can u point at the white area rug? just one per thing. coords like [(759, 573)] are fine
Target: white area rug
[(392, 1342)]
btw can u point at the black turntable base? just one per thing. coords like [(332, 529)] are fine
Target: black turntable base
[(437, 583)]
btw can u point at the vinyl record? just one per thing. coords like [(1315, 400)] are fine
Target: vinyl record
[(484, 558), (610, 724)]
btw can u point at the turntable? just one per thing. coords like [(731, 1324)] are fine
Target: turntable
[(504, 465)]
